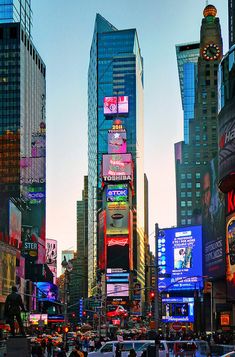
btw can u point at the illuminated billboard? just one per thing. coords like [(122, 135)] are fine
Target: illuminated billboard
[(117, 290), (118, 253), (7, 269), (46, 291), (117, 193), (101, 240), (213, 223), (14, 225), (117, 141), (116, 105), (178, 309), (117, 218), (30, 243), (179, 252), (230, 256), (34, 319), (51, 256), (117, 167)]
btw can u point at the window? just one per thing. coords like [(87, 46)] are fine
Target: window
[(198, 185), (183, 221), (189, 176), (198, 194), (183, 204), (182, 194), (182, 176), (182, 185), (127, 346), (197, 175), (107, 348), (189, 212), (189, 194), (183, 213), (189, 203), (189, 184), (189, 221)]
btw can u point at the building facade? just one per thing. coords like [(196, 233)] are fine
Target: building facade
[(115, 69), (22, 151)]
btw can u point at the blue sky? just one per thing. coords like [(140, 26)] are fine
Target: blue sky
[(62, 33)]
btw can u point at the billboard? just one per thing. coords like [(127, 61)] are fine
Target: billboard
[(230, 256), (101, 241), (213, 223), (117, 193), (179, 252), (51, 256), (7, 270), (117, 141), (117, 218), (118, 290), (118, 253), (29, 243), (117, 167), (34, 319), (116, 105), (46, 291), (178, 309), (14, 225)]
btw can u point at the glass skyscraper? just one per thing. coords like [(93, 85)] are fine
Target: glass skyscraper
[(17, 11), (187, 57), (115, 69)]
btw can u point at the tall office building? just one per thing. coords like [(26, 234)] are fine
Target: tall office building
[(22, 149), (191, 158), (115, 69), (187, 57), (231, 22)]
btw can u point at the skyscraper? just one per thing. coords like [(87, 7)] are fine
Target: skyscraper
[(115, 69), (22, 145), (231, 22), (191, 158), (187, 57)]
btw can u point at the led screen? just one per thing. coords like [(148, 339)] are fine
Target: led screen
[(46, 291), (230, 256), (117, 142), (111, 107), (101, 241), (179, 256), (15, 225), (117, 167), (35, 318), (117, 218), (118, 253), (178, 309), (117, 193), (213, 223), (51, 256), (118, 289), (30, 243)]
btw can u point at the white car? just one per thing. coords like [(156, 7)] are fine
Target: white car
[(108, 349), (230, 354)]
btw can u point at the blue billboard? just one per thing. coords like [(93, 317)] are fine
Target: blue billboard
[(46, 291), (179, 252), (178, 309)]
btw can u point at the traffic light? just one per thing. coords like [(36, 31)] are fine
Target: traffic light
[(152, 295), (66, 329), (84, 314), (73, 315)]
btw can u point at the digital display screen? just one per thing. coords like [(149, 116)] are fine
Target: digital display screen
[(14, 225), (117, 167), (178, 309), (116, 105), (117, 193), (116, 141), (46, 291), (179, 256), (230, 256), (118, 253), (117, 218), (35, 318), (117, 289)]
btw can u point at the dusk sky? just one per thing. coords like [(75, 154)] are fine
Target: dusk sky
[(62, 35)]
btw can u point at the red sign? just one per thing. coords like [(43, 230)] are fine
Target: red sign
[(177, 326)]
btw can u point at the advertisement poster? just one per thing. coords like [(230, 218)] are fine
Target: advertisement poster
[(111, 107), (179, 256), (136, 300), (30, 243), (116, 142), (7, 270), (178, 309), (213, 223), (117, 290), (118, 253), (101, 240), (230, 256), (51, 256), (35, 318), (14, 225), (117, 218), (117, 167), (117, 193)]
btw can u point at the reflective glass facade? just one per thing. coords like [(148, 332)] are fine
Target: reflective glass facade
[(187, 57), (17, 11), (115, 69)]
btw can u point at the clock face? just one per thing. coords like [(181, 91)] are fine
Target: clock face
[(211, 52)]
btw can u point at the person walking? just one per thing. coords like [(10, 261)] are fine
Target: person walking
[(13, 307)]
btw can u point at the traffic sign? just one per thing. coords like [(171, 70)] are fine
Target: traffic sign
[(177, 326)]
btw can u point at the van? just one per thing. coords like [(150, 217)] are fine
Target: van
[(108, 349)]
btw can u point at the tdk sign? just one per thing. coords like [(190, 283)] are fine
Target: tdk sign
[(117, 195)]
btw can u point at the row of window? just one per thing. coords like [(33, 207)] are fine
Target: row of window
[(189, 185), (189, 175)]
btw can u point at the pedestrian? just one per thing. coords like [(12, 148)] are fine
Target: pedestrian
[(62, 352), (13, 307), (118, 351), (132, 353), (49, 347), (76, 352)]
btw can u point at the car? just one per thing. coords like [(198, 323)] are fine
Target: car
[(140, 346), (229, 354), (116, 311)]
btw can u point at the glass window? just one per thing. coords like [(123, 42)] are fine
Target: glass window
[(189, 203), (107, 348), (182, 194), (198, 194), (189, 184), (197, 175), (183, 221), (182, 176), (127, 346), (182, 203), (189, 194), (198, 185), (189, 176), (182, 185)]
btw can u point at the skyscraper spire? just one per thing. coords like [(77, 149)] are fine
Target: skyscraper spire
[(207, 3)]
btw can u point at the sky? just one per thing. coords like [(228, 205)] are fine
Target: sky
[(62, 33)]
